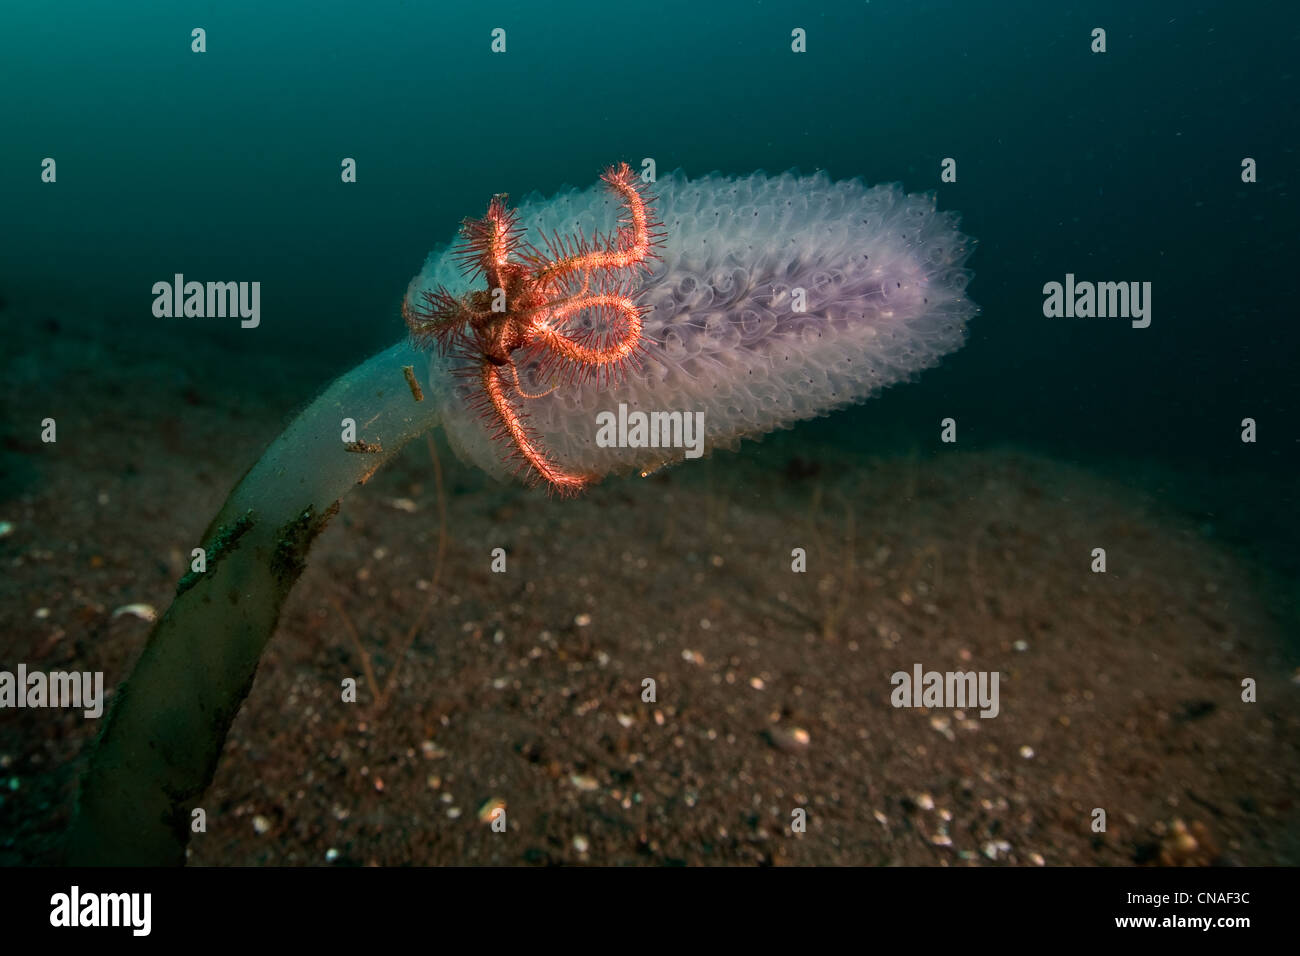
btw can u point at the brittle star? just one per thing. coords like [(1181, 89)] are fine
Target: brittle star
[(571, 308)]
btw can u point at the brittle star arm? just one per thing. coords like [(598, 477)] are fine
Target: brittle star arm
[(519, 385), (632, 246), (513, 424), (486, 243), (567, 351)]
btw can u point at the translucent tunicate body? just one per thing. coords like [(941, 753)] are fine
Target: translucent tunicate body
[(777, 299)]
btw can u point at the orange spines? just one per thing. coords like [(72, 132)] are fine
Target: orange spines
[(439, 320), (608, 343), (487, 243), (643, 232), (632, 245), (572, 308), (511, 425)]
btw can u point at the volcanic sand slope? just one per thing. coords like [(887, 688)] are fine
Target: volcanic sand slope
[(1118, 691)]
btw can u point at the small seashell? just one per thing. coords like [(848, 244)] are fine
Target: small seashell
[(144, 612)]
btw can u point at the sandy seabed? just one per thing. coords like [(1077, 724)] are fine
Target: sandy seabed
[(1119, 691)]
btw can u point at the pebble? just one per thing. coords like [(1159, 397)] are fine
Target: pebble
[(145, 612), (584, 783), (995, 848), (487, 812), (942, 725), (582, 620), (261, 824), (791, 740), (1027, 752), (6, 528), (581, 844)]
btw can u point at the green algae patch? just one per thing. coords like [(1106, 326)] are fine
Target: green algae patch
[(294, 539), (225, 541)]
